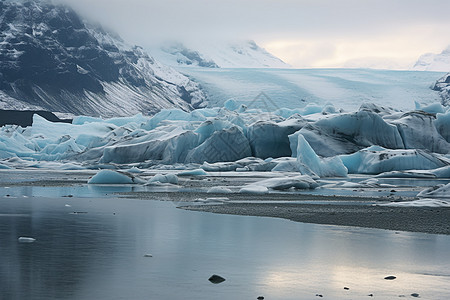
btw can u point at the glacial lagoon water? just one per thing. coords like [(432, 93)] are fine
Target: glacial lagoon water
[(94, 247)]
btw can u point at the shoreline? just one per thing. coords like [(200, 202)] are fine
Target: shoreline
[(433, 220)]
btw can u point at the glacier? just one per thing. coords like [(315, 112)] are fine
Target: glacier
[(234, 138)]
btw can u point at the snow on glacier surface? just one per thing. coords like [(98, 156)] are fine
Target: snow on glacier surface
[(294, 88)]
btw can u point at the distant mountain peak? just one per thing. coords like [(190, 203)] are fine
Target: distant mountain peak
[(236, 54), (434, 62)]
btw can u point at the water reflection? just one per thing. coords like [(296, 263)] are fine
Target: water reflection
[(99, 254)]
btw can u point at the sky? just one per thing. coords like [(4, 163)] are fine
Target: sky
[(388, 34)]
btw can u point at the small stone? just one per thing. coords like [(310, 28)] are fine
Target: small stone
[(415, 295), (148, 255), (370, 295), (390, 277), (319, 295), (346, 288), (260, 298), (216, 279)]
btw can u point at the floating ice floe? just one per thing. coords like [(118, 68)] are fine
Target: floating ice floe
[(113, 177), (24, 239)]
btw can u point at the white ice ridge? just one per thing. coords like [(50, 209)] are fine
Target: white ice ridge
[(328, 143)]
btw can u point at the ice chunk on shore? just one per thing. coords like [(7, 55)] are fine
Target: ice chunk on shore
[(311, 164), (443, 172), (286, 164), (407, 174), (281, 183), (254, 189), (439, 191), (419, 203), (196, 172), (167, 178), (113, 177), (219, 190), (134, 170)]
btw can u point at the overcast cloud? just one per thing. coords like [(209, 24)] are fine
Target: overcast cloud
[(305, 33)]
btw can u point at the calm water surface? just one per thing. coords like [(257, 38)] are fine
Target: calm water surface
[(98, 253)]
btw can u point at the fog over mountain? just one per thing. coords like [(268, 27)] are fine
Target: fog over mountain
[(52, 59)]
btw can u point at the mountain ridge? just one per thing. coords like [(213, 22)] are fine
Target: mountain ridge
[(210, 54), (51, 59), (434, 62)]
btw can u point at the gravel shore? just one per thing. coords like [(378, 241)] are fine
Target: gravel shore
[(415, 219)]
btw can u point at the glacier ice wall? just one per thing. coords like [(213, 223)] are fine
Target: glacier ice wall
[(371, 140)]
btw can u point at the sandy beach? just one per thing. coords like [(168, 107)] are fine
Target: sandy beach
[(414, 219)]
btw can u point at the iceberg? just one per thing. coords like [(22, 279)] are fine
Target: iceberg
[(113, 177), (328, 143), (160, 178), (270, 139), (442, 124), (224, 145), (219, 190), (281, 183), (309, 163), (364, 128), (376, 160), (418, 131)]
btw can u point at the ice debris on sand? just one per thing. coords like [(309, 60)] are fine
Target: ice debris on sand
[(419, 203)]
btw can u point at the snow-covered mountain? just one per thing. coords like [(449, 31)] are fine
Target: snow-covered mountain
[(434, 62), (52, 59), (239, 54), (442, 85)]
